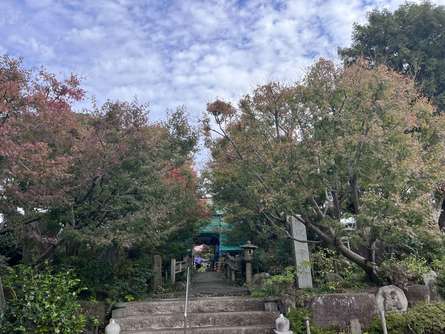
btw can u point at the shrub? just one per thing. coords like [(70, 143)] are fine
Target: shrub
[(440, 282), (401, 272), (421, 319), (439, 266), (326, 262), (41, 302), (297, 317), (277, 285)]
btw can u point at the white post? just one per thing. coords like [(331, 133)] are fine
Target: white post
[(383, 319), (308, 326)]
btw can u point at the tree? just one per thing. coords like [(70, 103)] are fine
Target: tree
[(38, 135), (354, 141), (410, 41), (108, 181)]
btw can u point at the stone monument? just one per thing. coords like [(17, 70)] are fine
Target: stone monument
[(391, 299), (430, 278), (301, 249)]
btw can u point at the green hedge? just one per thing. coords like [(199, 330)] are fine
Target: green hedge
[(41, 303), (421, 319), (296, 318)]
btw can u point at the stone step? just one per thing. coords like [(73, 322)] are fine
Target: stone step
[(217, 319), (209, 330), (201, 305)]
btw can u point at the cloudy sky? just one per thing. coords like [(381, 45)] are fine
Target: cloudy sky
[(178, 52)]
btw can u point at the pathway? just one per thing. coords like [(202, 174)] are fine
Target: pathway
[(214, 284), (216, 307)]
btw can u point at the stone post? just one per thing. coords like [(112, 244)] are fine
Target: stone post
[(307, 325), (248, 273), (157, 272), (302, 261), (173, 270), (233, 275), (383, 321), (356, 327)]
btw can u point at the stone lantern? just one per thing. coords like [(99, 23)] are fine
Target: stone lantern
[(249, 250)]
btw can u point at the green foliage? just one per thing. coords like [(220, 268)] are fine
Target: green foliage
[(42, 302), (326, 262), (273, 256), (410, 40), (342, 143), (100, 190), (277, 285), (409, 269), (111, 273), (421, 319), (439, 267), (297, 318)]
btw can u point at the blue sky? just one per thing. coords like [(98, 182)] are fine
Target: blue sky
[(178, 52)]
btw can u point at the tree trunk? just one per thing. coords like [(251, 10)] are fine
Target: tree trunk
[(2, 299), (354, 194), (369, 267)]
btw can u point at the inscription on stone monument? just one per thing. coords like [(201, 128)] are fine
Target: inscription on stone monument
[(302, 260)]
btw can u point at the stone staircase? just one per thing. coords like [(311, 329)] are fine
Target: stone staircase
[(206, 315)]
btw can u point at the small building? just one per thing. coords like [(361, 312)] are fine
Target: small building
[(214, 234)]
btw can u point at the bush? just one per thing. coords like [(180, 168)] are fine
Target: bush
[(407, 270), (297, 317), (439, 266), (109, 273), (326, 262), (41, 302), (421, 319), (440, 282), (277, 285)]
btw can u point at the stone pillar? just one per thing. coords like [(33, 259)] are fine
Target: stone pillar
[(248, 273), (232, 274), (302, 261), (157, 272), (356, 327), (173, 270)]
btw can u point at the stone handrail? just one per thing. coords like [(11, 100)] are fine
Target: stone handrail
[(177, 267), (232, 266)]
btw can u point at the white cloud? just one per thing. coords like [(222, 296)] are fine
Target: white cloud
[(180, 52)]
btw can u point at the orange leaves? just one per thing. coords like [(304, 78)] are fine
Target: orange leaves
[(38, 133), (220, 108)]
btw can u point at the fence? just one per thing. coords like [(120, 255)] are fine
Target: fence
[(232, 267), (177, 267)]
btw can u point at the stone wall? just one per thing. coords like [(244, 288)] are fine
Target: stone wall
[(337, 310)]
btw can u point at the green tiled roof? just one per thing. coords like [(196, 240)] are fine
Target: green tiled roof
[(217, 226)]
